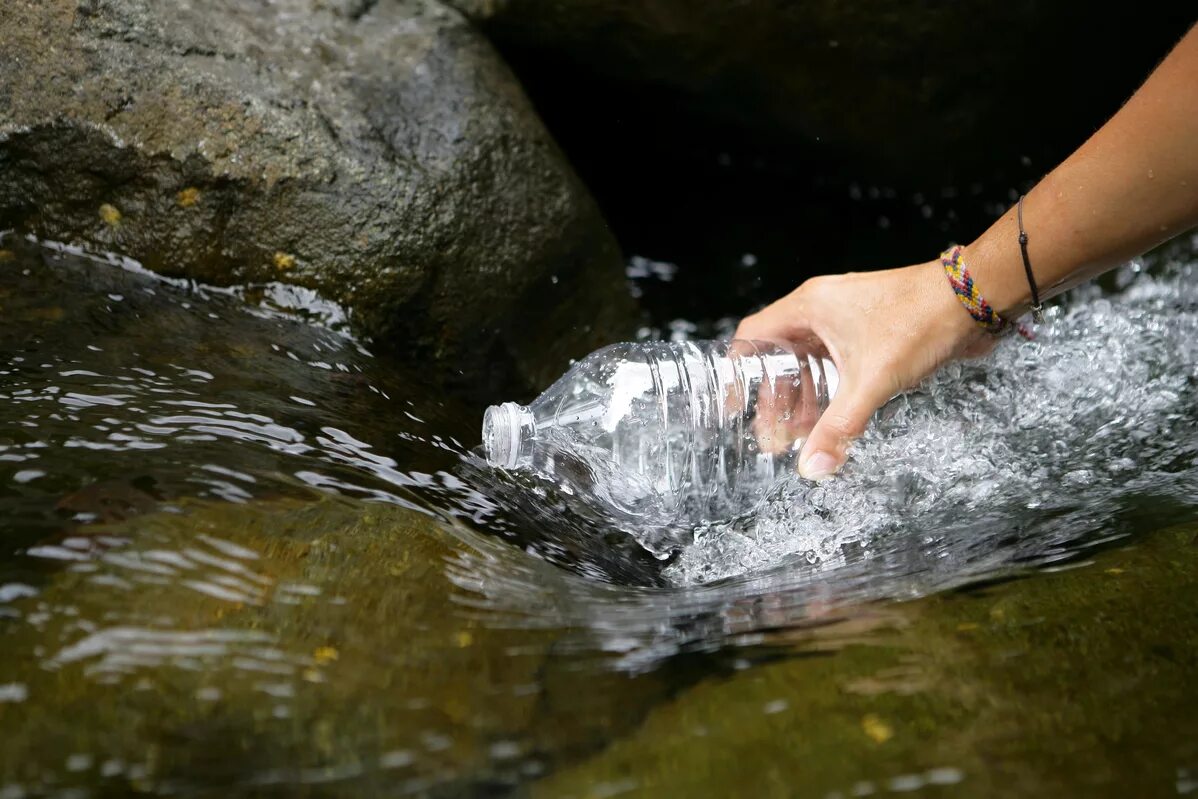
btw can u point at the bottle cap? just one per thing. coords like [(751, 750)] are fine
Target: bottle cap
[(507, 434)]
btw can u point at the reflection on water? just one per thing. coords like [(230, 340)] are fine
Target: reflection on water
[(240, 553)]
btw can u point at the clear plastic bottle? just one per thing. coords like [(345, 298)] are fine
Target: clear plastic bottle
[(667, 435)]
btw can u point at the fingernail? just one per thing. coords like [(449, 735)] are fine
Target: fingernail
[(818, 466)]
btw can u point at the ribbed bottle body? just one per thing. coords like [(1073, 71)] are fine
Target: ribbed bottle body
[(668, 432)]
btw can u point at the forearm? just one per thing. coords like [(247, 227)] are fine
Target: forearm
[(1132, 185)]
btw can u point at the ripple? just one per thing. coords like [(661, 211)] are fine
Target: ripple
[(175, 553), (126, 649)]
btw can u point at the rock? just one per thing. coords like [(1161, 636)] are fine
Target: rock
[(379, 152), (288, 642), (59, 308), (908, 88), (1061, 684)]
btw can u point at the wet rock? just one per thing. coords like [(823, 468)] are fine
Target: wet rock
[(283, 645), (379, 152), (1070, 683), (905, 87)]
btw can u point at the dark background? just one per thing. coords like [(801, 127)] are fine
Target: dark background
[(714, 174)]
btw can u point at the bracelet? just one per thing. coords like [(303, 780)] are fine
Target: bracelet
[(1037, 306), (967, 291)]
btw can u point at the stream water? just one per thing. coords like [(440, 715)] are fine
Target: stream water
[(239, 553)]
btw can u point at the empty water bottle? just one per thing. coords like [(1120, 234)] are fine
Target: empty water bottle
[(667, 435)]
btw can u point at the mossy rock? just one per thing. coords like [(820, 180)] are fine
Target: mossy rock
[(310, 648), (1074, 683)]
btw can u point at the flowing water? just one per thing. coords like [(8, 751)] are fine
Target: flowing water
[(240, 554)]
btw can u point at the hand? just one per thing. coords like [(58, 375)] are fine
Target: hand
[(885, 331)]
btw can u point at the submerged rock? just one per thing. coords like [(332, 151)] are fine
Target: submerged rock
[(1070, 683), (379, 152), (306, 647)]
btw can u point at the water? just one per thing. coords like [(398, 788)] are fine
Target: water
[(242, 555), (665, 437), (1025, 456)]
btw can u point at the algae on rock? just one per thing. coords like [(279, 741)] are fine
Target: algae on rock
[(286, 642), (1071, 683)]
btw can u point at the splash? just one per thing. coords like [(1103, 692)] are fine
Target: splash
[(1021, 457)]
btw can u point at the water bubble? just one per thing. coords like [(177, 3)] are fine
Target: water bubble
[(1041, 440)]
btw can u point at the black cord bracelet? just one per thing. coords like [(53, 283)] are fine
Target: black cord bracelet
[(1037, 306)]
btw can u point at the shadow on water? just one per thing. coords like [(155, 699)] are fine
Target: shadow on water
[(240, 553)]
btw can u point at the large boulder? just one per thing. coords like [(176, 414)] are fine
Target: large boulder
[(906, 87), (757, 143), (379, 152)]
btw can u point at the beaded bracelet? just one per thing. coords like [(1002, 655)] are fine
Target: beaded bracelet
[(969, 295)]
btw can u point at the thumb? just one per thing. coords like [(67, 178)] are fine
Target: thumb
[(845, 419)]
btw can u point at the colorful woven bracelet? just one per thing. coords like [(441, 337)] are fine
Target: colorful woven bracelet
[(967, 291)]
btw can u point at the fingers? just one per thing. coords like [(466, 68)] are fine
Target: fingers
[(755, 326), (806, 411), (884, 332), (772, 421), (787, 409), (846, 417), (784, 320)]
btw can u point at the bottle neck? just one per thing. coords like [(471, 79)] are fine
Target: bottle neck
[(508, 434)]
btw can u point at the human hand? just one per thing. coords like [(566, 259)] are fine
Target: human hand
[(885, 331)]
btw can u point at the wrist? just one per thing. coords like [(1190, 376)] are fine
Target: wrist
[(997, 269), (997, 257), (947, 320)]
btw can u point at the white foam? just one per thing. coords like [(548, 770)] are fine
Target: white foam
[(1071, 427)]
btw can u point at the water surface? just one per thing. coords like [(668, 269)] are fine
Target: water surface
[(241, 554)]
